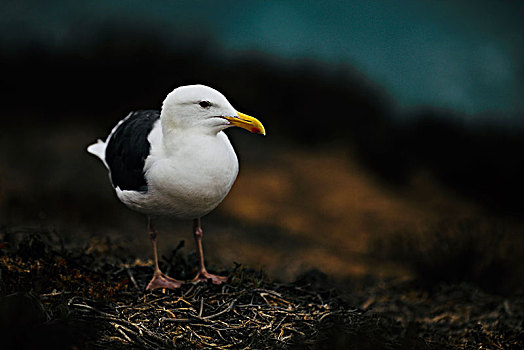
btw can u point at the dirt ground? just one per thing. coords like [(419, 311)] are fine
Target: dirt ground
[(72, 298)]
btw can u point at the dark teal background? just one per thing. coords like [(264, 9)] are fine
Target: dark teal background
[(460, 55)]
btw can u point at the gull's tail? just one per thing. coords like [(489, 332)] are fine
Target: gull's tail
[(99, 150)]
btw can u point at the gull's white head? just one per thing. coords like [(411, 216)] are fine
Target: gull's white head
[(203, 109)]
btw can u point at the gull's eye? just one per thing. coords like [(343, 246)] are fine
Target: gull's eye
[(204, 104)]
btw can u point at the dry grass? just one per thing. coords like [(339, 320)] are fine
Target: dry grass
[(248, 312), (51, 295)]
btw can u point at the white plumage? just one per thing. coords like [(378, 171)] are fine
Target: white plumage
[(188, 164), (186, 180)]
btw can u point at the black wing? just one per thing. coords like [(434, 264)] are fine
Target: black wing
[(128, 148)]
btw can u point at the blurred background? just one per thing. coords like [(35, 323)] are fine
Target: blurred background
[(395, 130)]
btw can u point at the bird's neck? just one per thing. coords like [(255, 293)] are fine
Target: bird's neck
[(175, 138)]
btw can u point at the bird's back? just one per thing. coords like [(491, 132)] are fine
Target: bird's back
[(126, 149)]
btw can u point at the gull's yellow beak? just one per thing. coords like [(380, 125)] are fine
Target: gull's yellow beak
[(246, 122)]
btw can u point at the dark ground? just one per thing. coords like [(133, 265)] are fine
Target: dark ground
[(416, 223), (83, 299)]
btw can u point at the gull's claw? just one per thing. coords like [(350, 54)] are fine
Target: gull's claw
[(160, 280), (205, 276)]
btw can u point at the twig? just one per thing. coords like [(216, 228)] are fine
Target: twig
[(201, 306), (132, 278), (229, 308)]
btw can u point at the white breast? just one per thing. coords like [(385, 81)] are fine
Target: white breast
[(187, 177)]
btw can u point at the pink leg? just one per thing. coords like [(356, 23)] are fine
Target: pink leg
[(159, 280), (202, 274)]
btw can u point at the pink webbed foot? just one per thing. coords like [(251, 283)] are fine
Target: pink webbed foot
[(160, 280), (205, 276)]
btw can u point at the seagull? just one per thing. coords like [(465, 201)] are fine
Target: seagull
[(176, 162)]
